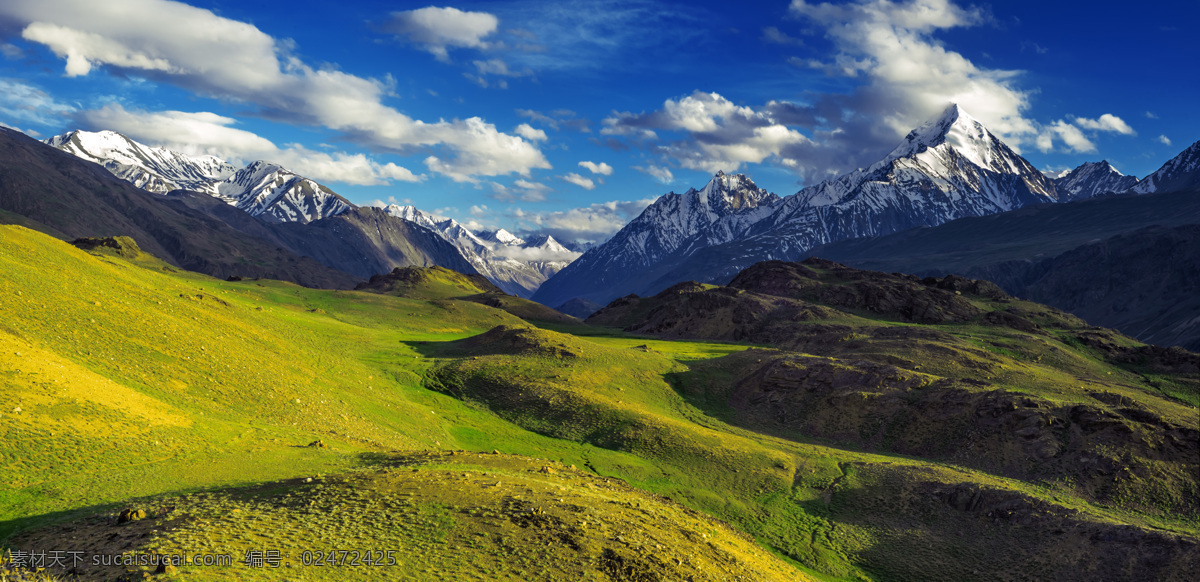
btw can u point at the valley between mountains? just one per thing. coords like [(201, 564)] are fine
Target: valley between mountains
[(240, 371)]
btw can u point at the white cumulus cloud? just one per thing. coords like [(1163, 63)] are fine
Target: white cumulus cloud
[(903, 76), (720, 134), (1106, 122), (602, 168), (1070, 135), (438, 28), (223, 58), (1164, 140)]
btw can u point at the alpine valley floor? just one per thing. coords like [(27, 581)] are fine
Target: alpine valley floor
[(808, 422)]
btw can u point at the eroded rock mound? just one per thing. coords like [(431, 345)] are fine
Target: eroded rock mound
[(517, 340), (122, 246)]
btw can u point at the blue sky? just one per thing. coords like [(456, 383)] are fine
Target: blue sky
[(569, 117)]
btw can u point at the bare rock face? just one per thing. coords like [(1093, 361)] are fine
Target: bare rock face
[(121, 245), (131, 514)]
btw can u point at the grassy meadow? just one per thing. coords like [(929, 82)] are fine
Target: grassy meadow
[(453, 440)]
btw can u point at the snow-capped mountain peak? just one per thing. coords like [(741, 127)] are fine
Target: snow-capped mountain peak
[(154, 169), (730, 191), (731, 200), (959, 131), (951, 147), (1179, 172), (1091, 179), (503, 237), (274, 193), (950, 167), (552, 245), (263, 189)]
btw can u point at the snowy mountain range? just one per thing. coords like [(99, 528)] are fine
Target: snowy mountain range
[(948, 168), (515, 265), (264, 190), (275, 194)]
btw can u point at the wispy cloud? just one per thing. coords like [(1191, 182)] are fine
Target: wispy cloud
[(776, 36), (25, 103), (593, 223), (1164, 140), (521, 189), (11, 51), (659, 173), (1033, 47), (557, 119), (582, 182), (591, 34)]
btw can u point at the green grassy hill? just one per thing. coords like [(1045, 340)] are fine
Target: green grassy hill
[(258, 415), (439, 283)]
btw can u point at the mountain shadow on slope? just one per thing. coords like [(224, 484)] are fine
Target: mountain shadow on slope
[(1127, 262), (367, 241)]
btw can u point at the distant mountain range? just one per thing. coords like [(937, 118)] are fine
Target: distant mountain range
[(951, 167), (516, 265), (273, 194)]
